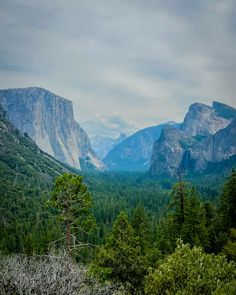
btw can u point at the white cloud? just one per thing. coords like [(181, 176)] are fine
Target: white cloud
[(109, 125), (146, 60)]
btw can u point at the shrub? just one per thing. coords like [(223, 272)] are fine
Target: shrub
[(48, 275), (191, 271)]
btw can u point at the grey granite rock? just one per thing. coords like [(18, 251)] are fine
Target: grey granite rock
[(48, 119), (202, 119), (206, 135), (134, 153)]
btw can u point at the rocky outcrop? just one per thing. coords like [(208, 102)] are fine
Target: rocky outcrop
[(21, 159), (223, 110), (134, 153), (215, 148), (48, 120), (167, 152), (206, 135), (202, 119)]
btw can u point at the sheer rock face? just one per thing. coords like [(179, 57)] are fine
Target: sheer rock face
[(206, 135), (134, 153), (202, 119), (215, 148), (167, 152), (48, 120)]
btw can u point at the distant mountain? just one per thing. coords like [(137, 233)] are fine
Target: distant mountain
[(102, 144), (207, 135), (223, 110), (215, 148), (48, 120), (167, 152), (134, 153), (203, 119), (21, 159)]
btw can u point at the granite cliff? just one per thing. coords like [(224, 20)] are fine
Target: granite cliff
[(206, 135), (220, 146), (203, 119), (134, 153), (48, 120)]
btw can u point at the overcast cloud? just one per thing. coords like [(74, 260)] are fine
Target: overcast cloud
[(125, 64)]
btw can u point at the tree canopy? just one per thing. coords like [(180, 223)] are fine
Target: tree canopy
[(191, 271), (73, 201)]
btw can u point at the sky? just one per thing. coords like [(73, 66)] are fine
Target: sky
[(125, 64)]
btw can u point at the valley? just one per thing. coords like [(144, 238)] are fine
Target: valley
[(161, 184)]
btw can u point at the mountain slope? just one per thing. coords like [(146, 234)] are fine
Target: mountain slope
[(167, 152), (26, 177), (202, 119), (102, 144), (134, 153), (48, 120), (206, 135), (223, 110), (21, 158), (215, 148)]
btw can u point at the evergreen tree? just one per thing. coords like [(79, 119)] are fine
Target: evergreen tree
[(194, 229), (178, 196), (230, 247), (187, 220), (228, 202), (73, 201), (140, 221), (120, 259)]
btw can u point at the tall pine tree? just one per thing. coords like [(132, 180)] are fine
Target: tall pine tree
[(121, 259)]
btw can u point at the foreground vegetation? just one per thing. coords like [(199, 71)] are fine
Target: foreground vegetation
[(49, 274), (136, 235)]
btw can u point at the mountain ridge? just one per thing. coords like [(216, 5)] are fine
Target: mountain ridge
[(191, 146), (134, 153), (102, 145), (48, 119)]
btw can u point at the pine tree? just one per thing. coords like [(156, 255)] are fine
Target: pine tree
[(120, 259), (178, 198), (230, 247), (194, 229), (73, 202), (187, 220), (140, 221), (228, 202)]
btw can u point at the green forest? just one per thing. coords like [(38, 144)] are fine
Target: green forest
[(150, 236)]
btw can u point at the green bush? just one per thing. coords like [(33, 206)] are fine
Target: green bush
[(192, 272)]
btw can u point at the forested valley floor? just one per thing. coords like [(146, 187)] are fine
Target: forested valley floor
[(118, 233)]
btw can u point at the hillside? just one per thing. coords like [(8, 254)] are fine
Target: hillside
[(26, 176)]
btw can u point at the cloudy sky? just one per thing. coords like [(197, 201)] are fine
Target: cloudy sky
[(125, 64)]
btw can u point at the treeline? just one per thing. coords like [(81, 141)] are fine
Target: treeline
[(152, 237), (183, 254), (29, 226)]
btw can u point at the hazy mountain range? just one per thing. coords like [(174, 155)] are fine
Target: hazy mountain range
[(134, 153), (207, 135), (103, 144)]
